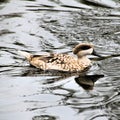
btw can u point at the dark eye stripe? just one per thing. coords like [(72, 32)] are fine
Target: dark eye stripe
[(83, 47)]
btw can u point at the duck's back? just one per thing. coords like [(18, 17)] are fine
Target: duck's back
[(62, 62)]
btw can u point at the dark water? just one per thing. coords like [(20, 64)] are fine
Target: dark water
[(40, 26)]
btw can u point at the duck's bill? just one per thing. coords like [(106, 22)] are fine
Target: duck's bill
[(96, 54)]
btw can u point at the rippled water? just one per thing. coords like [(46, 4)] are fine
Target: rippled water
[(39, 26)]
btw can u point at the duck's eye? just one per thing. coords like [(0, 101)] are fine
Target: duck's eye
[(85, 47)]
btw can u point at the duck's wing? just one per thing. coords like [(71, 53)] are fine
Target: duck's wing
[(46, 62), (50, 61), (44, 58), (51, 58)]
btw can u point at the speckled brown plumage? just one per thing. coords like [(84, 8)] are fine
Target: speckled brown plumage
[(63, 62)]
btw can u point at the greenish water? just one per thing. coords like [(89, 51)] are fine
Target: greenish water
[(39, 26)]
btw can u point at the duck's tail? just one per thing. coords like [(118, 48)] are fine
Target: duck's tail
[(25, 54)]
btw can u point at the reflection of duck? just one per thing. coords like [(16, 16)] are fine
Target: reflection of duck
[(87, 82), (63, 62)]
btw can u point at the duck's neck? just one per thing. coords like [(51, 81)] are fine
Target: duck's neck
[(82, 57), (84, 60)]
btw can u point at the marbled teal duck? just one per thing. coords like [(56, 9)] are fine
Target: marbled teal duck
[(63, 62)]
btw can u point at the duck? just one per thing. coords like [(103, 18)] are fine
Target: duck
[(78, 62)]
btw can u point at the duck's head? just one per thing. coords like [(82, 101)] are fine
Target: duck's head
[(84, 49)]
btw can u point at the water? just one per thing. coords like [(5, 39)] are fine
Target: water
[(40, 26)]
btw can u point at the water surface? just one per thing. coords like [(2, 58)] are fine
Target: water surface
[(40, 26)]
